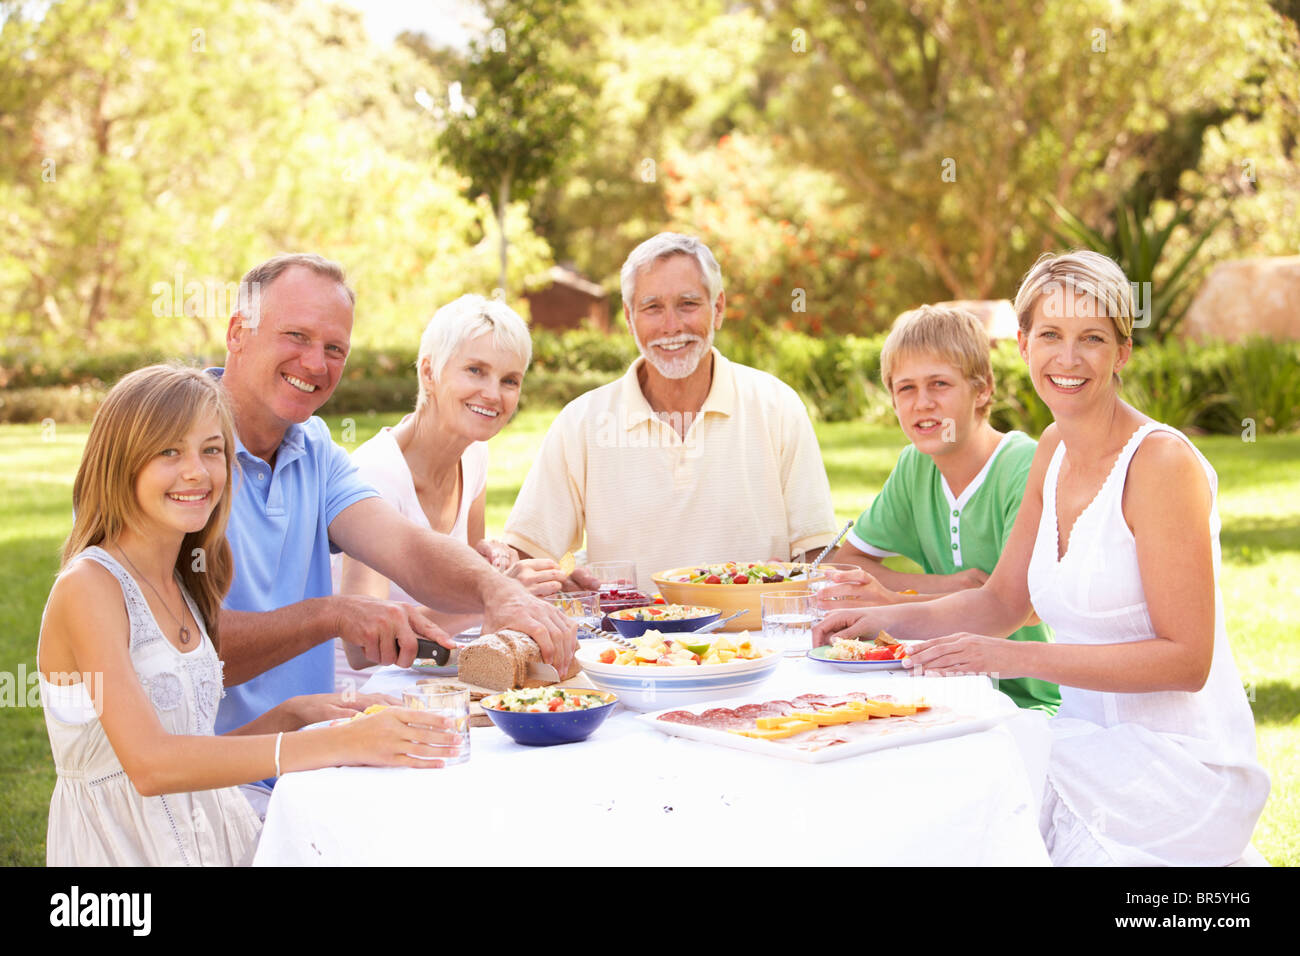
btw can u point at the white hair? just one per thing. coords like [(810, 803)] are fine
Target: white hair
[(465, 319), (661, 247)]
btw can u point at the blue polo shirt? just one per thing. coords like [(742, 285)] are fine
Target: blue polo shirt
[(279, 534)]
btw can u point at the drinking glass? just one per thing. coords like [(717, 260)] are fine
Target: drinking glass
[(451, 703), (614, 575), (583, 607), (822, 583), (788, 621)]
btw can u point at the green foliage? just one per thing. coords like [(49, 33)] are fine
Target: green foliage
[(792, 255), (1176, 383), (1260, 377), (1015, 403), (522, 104), (1136, 242), (155, 153), (945, 121)]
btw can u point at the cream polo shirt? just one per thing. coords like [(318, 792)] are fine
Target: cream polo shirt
[(746, 484)]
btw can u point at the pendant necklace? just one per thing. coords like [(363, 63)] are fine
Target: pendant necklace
[(184, 634)]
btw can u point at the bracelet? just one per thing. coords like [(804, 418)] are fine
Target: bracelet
[(278, 738)]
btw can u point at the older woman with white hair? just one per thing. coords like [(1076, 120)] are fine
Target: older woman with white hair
[(432, 466), (1116, 546)]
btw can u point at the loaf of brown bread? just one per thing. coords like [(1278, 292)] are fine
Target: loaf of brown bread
[(500, 661)]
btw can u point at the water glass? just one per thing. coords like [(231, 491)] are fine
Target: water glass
[(822, 583), (788, 621), (614, 575), (583, 607), (451, 703)]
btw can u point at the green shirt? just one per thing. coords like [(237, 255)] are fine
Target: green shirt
[(916, 515)]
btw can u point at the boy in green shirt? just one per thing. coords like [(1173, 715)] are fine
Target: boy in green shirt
[(951, 500)]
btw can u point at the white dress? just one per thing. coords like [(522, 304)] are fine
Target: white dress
[(97, 817), (381, 464), (1138, 779)]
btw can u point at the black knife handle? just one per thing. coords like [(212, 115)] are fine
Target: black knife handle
[(425, 648)]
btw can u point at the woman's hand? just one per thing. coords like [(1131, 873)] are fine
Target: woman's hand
[(854, 589), (397, 737), (498, 554), (541, 577), (965, 653)]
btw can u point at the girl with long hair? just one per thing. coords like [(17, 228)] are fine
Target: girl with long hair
[(129, 671)]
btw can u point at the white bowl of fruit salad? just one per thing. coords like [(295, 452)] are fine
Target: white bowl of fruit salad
[(670, 670)]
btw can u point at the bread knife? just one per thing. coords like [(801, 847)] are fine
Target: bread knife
[(540, 670), (426, 649)]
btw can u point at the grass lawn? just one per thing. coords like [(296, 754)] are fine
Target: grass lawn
[(1259, 503)]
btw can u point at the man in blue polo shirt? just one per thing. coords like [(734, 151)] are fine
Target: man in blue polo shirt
[(298, 498)]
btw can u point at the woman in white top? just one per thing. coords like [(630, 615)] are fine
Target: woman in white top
[(1116, 547), (432, 466), (130, 677)]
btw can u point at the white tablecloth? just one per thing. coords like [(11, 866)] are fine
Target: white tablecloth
[(630, 795)]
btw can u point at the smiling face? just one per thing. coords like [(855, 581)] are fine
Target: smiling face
[(478, 389), (283, 370), (180, 486), (937, 406), (1074, 353), (671, 317)]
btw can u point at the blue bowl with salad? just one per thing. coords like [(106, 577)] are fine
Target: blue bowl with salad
[(665, 618), (544, 716)]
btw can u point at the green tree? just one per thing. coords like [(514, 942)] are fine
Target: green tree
[(520, 105), (947, 120), (155, 152)]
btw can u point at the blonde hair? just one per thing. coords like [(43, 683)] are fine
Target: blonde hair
[(465, 319), (145, 411), (953, 335), (1083, 272)]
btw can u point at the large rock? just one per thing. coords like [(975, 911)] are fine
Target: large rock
[(1247, 297)]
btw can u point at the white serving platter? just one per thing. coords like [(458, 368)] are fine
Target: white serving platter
[(940, 723)]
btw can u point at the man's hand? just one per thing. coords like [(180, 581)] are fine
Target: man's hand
[(539, 576), (583, 580), (555, 633), (499, 554), (846, 624), (386, 631)]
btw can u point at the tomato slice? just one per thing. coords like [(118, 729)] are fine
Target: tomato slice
[(607, 656)]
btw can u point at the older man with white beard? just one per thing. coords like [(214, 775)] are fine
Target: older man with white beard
[(688, 458)]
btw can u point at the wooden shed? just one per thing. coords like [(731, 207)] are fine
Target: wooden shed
[(565, 300)]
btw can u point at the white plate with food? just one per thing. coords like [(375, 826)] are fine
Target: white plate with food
[(730, 665)]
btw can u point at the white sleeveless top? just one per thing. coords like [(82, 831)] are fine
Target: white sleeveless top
[(1168, 777), (97, 817)]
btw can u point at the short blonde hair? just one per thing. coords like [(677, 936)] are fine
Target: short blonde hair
[(465, 319), (953, 335), (1084, 272)]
